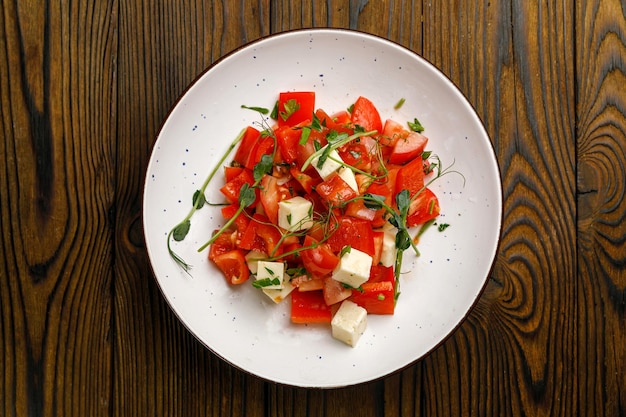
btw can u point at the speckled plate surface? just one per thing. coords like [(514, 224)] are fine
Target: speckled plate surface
[(439, 288)]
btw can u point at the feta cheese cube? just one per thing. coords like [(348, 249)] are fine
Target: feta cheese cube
[(332, 164), (295, 214), (272, 271), (349, 323), (353, 268), (279, 295), (389, 251), (252, 259)]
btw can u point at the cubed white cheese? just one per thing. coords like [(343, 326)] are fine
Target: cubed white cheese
[(279, 295), (332, 164), (272, 271), (252, 259), (349, 323), (389, 251), (295, 214), (353, 268)]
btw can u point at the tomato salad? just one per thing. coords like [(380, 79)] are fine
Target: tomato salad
[(320, 208)]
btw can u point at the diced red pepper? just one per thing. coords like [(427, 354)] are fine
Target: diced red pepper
[(375, 297), (233, 265), (309, 307)]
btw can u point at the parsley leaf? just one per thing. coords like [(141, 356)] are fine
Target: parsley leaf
[(290, 107)]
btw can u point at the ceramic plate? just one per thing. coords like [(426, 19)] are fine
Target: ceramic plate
[(439, 288)]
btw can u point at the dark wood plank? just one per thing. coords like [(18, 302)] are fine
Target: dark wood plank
[(56, 191), (601, 143), (159, 368), (513, 60)]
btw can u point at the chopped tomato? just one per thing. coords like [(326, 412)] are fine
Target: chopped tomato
[(306, 283), (295, 107), (380, 273), (222, 244), (288, 139), (245, 151), (375, 297), (358, 209), (307, 181), (339, 122), (353, 232), (425, 207), (334, 190), (231, 172), (365, 114), (334, 291), (319, 260), (410, 177), (309, 307), (232, 188), (242, 220), (271, 194), (264, 147), (233, 265), (392, 131), (356, 154), (261, 235), (407, 149)]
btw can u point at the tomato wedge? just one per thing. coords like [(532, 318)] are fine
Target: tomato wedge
[(320, 259), (232, 188), (409, 148), (334, 291), (245, 152), (365, 114), (425, 207)]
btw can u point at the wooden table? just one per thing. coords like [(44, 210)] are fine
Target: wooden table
[(84, 88)]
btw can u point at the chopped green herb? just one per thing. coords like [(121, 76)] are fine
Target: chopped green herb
[(265, 282), (290, 107), (344, 250), (416, 126), (399, 103), (261, 110), (442, 226)]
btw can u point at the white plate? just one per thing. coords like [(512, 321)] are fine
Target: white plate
[(438, 289)]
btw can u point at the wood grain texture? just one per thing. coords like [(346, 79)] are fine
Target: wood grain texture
[(159, 368), (601, 145), (523, 90), (57, 189)]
